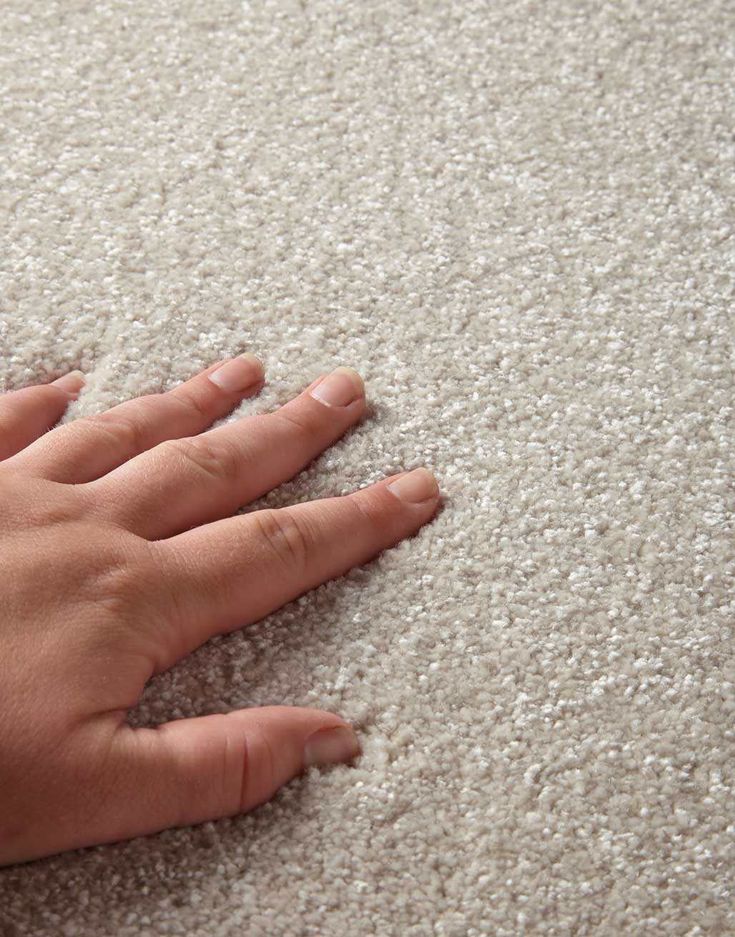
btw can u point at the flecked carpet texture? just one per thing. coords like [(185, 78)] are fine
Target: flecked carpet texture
[(516, 220)]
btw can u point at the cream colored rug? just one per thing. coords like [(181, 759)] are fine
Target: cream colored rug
[(516, 219)]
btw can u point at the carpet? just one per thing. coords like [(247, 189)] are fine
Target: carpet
[(516, 220)]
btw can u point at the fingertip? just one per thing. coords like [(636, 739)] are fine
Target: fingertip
[(71, 383), (355, 377), (282, 741), (332, 745), (341, 388), (416, 487), (242, 375)]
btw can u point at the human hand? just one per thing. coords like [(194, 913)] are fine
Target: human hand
[(119, 556)]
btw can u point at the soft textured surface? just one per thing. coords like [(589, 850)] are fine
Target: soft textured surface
[(516, 220)]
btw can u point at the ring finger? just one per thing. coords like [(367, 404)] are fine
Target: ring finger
[(89, 447)]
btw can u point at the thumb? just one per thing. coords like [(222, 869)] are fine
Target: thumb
[(192, 770)]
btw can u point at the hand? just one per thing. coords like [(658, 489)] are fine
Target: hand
[(119, 556)]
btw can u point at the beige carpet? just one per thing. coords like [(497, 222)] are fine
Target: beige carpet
[(516, 219)]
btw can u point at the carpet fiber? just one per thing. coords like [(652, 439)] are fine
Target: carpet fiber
[(516, 219)]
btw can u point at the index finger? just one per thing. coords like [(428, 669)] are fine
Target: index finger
[(236, 571)]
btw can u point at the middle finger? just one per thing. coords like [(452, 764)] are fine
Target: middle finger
[(186, 482)]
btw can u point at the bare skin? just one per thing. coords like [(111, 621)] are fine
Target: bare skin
[(119, 555)]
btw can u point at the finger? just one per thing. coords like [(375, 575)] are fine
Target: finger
[(235, 571), (90, 447), (28, 413), (193, 770), (186, 482)]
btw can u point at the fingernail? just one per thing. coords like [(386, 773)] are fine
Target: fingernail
[(340, 388), (72, 382), (419, 485), (331, 746), (238, 374)]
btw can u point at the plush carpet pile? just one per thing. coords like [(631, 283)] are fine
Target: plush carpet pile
[(516, 219)]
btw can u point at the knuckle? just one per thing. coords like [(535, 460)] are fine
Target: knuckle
[(57, 505), (126, 430), (298, 424), (39, 504), (258, 771), (46, 397), (372, 511), (218, 461), (115, 584), (191, 403), (50, 395), (7, 433), (124, 610), (285, 534), (124, 582)]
